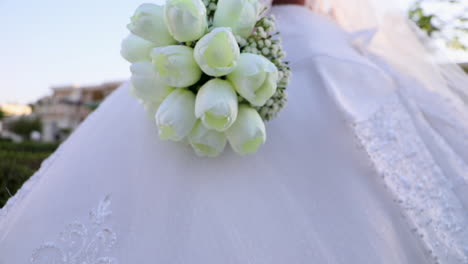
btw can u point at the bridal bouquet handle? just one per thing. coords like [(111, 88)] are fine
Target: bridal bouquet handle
[(208, 72)]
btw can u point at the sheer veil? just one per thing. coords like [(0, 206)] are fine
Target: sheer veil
[(433, 97), (397, 40)]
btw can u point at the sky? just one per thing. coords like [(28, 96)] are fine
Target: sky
[(58, 42), (61, 42)]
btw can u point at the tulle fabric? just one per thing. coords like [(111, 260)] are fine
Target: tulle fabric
[(434, 94), (391, 36), (398, 41)]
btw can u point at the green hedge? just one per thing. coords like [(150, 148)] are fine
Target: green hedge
[(18, 161), (28, 146)]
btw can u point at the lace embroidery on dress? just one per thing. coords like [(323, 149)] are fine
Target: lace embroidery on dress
[(81, 243), (408, 169)]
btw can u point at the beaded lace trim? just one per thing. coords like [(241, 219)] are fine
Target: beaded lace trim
[(408, 169)]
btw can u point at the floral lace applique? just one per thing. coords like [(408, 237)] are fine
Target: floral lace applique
[(81, 243)]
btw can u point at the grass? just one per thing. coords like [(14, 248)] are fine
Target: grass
[(18, 162)]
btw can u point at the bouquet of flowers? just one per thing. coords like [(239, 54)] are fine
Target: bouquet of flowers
[(209, 72)]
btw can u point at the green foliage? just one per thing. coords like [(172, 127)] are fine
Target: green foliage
[(24, 126), (18, 162), (2, 114), (451, 27), (5, 140), (27, 146), (465, 68), (424, 21), (12, 176)]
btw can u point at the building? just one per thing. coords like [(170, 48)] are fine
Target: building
[(61, 112)]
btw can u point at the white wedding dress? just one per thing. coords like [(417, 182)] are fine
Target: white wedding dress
[(356, 169)]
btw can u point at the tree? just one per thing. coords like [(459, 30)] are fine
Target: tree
[(24, 126), (450, 25), (2, 114)]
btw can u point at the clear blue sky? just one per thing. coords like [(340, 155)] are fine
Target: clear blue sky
[(56, 42)]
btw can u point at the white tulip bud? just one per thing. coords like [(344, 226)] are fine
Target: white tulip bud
[(248, 133), (135, 49), (175, 117), (239, 15), (151, 108), (205, 142), (175, 65), (217, 52), (255, 78), (148, 23), (186, 19), (216, 105), (145, 84)]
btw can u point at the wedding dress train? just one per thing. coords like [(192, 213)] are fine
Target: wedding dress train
[(115, 193)]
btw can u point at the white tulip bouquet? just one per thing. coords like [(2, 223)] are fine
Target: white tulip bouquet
[(208, 72)]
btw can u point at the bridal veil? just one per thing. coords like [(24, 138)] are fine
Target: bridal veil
[(417, 138)]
